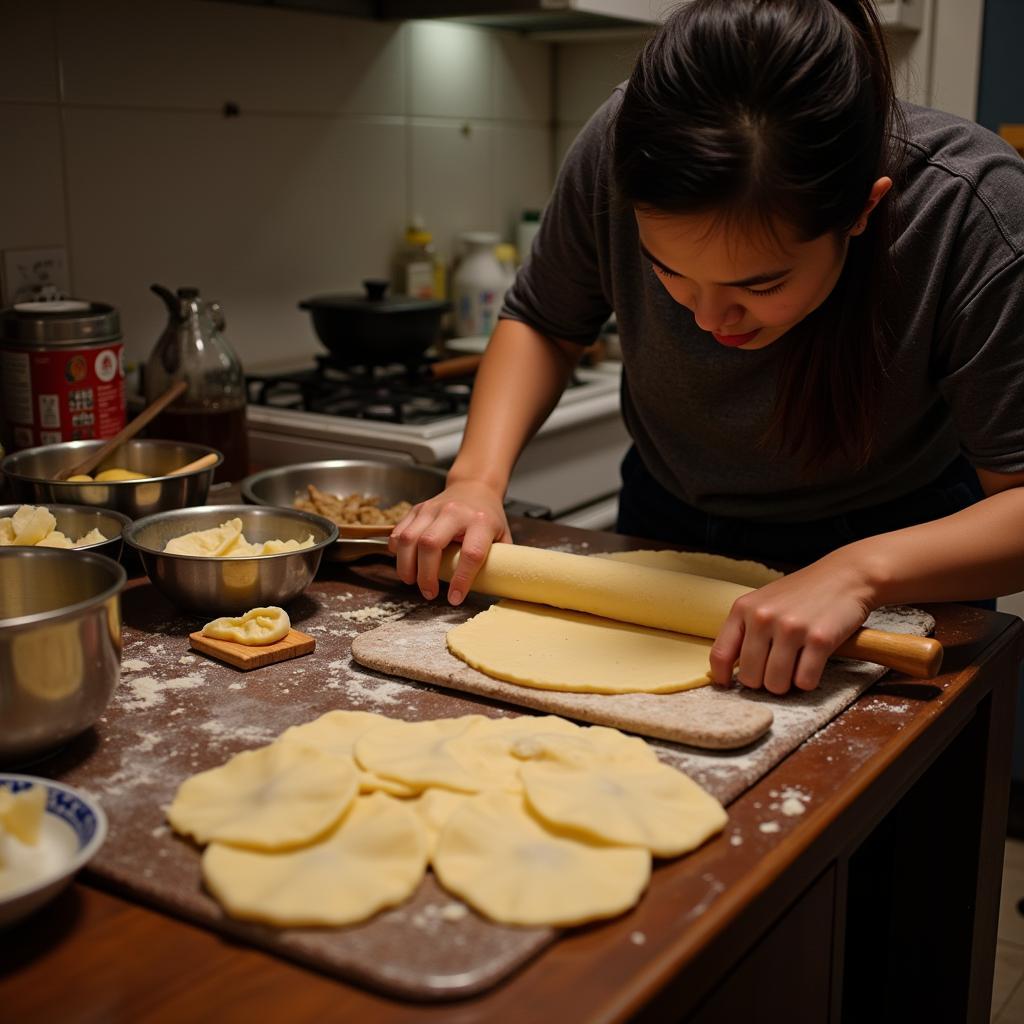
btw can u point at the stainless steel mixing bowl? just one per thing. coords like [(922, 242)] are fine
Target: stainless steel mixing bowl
[(60, 645), (76, 521), (30, 476), (231, 586), (390, 481)]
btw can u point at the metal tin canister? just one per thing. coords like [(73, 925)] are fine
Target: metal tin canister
[(61, 372)]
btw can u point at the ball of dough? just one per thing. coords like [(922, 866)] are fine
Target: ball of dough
[(374, 858), (502, 861), (115, 473), (273, 798)]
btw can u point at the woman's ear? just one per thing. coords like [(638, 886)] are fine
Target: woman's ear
[(878, 190)]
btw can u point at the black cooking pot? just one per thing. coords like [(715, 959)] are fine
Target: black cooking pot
[(374, 329)]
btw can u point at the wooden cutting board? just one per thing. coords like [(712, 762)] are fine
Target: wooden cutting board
[(709, 717), (176, 713)]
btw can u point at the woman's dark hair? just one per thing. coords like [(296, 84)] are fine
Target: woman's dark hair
[(761, 110)]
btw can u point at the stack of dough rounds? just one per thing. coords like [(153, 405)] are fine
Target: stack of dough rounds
[(256, 628), (228, 541), (551, 648), (35, 526), (530, 820)]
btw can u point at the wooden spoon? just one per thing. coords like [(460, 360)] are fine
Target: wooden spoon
[(87, 465), (190, 467)]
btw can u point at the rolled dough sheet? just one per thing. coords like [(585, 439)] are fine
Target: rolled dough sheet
[(532, 644)]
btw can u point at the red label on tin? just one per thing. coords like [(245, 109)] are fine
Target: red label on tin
[(62, 394)]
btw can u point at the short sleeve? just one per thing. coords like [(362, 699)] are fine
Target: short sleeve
[(561, 291), (981, 375)]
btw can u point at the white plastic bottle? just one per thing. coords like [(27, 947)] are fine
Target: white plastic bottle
[(478, 286), (526, 230)]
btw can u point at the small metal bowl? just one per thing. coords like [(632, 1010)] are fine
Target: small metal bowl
[(390, 481), (60, 645), (30, 476), (231, 586), (76, 521)]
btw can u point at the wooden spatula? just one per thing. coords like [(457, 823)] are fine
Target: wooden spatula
[(87, 465)]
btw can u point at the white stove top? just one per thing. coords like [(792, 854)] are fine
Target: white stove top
[(286, 435)]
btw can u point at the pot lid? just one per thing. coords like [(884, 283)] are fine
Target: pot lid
[(375, 300), (60, 322)]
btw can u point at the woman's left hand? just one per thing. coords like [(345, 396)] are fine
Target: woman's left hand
[(783, 633)]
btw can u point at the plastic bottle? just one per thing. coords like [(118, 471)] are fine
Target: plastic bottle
[(506, 256), (478, 286), (526, 229)]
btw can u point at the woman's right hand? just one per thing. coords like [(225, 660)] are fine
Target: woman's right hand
[(469, 511)]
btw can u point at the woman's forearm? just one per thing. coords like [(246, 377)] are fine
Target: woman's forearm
[(971, 555), (517, 385)]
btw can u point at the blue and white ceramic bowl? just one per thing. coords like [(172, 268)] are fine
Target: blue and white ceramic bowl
[(72, 830)]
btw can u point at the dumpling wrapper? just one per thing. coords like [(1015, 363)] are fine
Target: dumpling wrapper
[(256, 628), (655, 806), (415, 753), (272, 798), (434, 807), (550, 649), (547, 648), (494, 854), (373, 859), (336, 733)]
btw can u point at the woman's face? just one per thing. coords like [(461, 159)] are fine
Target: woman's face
[(746, 290)]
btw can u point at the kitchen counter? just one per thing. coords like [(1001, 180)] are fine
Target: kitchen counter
[(859, 879)]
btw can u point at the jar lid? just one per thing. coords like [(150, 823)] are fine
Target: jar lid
[(63, 322)]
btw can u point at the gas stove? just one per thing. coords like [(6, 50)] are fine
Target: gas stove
[(391, 394), (400, 413)]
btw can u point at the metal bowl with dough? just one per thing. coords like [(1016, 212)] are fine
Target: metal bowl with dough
[(60, 645), (231, 586), (76, 521), (30, 476), (392, 482)]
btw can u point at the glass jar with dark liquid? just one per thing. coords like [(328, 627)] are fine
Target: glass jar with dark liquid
[(212, 412)]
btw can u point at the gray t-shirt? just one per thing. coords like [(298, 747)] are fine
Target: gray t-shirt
[(698, 412)]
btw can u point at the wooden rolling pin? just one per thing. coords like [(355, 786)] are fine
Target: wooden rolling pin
[(661, 599)]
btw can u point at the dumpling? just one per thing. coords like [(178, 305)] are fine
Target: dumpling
[(256, 628)]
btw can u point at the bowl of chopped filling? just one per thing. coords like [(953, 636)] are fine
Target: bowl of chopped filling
[(364, 499)]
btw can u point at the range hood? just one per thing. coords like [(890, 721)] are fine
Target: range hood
[(532, 15), (521, 15)]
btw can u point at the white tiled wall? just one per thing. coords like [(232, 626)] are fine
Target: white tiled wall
[(116, 146)]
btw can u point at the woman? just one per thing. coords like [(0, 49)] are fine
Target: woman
[(820, 296)]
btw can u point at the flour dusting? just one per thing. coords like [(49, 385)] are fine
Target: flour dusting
[(144, 692)]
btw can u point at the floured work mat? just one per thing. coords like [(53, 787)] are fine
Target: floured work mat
[(708, 717)]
